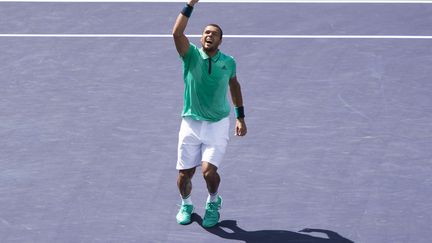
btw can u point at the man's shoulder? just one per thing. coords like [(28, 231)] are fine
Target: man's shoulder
[(192, 52), (192, 45), (228, 60), (226, 57)]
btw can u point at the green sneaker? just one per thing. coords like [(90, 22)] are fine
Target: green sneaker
[(211, 217), (184, 214)]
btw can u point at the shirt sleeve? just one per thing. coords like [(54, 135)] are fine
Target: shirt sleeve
[(189, 53), (233, 69)]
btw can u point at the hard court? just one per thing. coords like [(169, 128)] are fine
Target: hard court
[(338, 101)]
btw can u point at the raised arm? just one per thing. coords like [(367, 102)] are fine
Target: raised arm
[(180, 39)]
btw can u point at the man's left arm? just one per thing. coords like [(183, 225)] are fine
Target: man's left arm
[(237, 99)]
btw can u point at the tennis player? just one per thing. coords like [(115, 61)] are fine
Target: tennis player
[(204, 130)]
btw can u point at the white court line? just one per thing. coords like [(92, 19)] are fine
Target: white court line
[(225, 36), (235, 1)]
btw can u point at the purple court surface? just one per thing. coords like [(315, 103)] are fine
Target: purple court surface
[(339, 147)]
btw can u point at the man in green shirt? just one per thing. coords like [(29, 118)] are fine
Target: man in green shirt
[(208, 74)]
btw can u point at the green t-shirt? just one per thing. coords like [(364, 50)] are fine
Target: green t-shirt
[(206, 84)]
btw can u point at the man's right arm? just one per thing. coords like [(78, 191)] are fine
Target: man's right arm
[(180, 39)]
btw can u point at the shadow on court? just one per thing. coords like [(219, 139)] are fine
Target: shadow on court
[(228, 229)]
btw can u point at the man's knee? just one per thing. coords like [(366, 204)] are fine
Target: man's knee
[(209, 171), (186, 174)]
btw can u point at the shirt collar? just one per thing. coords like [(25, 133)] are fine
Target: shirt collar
[(204, 55)]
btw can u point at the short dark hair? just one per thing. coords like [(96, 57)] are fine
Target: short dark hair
[(217, 26)]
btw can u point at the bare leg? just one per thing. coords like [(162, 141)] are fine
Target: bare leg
[(211, 177), (184, 181)]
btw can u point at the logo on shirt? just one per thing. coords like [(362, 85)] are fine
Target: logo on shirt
[(224, 67)]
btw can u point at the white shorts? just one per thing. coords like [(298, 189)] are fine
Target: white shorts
[(201, 141)]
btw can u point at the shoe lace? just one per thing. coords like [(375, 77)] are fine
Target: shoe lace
[(183, 208), (212, 206)]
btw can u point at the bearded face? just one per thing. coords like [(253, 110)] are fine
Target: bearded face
[(211, 38)]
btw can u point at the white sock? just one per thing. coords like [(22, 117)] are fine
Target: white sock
[(187, 200), (212, 197)]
